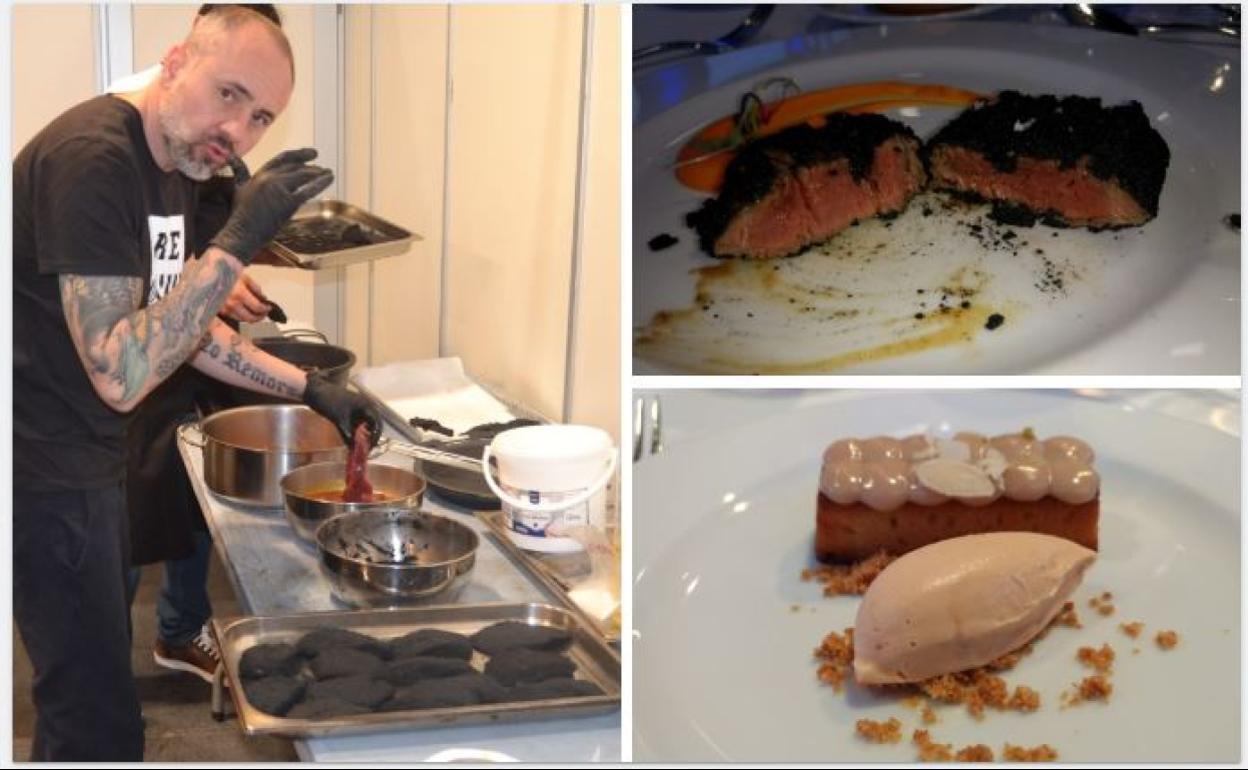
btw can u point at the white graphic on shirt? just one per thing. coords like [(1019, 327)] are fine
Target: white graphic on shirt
[(168, 248)]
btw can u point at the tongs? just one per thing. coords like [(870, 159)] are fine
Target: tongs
[(430, 455)]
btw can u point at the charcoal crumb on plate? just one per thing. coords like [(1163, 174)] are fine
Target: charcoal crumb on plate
[(662, 241), (519, 666), (269, 660), (561, 687), (345, 661), (994, 320), (511, 634), (463, 690), (323, 708), (362, 690), (315, 642), (409, 671), (433, 642), (274, 694)]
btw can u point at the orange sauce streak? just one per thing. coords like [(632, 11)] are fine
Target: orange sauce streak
[(335, 494), (707, 174)]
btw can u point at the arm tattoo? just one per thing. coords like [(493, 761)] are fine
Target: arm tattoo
[(231, 358), (127, 350)]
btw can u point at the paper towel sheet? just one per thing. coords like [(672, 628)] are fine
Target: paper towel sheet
[(437, 389)]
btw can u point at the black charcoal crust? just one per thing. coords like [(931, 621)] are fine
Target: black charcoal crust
[(406, 672), (521, 666), (431, 642), (274, 695), (510, 634), (362, 690), (326, 708), (1119, 143), (763, 164), (263, 660), (561, 687), (315, 642), (345, 661)]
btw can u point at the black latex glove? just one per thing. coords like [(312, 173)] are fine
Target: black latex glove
[(344, 408), (264, 203)]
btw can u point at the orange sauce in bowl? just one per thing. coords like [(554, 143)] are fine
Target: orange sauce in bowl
[(335, 494)]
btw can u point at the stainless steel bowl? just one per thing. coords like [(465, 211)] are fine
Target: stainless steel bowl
[(393, 557), (248, 450), (305, 511)]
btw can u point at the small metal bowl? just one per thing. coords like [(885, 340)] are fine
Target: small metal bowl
[(305, 512), (394, 557)]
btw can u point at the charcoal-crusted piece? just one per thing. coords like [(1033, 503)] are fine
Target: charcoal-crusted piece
[(463, 690), (520, 666), (561, 687), (274, 694), (510, 634), (1069, 161), (362, 690), (322, 708), (263, 660), (315, 642), (409, 671), (433, 642), (801, 186), (345, 661)]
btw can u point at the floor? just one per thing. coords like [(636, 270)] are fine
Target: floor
[(180, 727)]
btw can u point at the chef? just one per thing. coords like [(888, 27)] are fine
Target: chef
[(103, 208)]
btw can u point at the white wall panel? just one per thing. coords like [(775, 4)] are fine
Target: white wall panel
[(53, 65)]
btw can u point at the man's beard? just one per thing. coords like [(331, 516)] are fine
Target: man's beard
[(180, 151)]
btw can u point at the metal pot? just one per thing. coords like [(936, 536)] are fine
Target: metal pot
[(334, 362), (306, 511), (247, 450), (393, 557)]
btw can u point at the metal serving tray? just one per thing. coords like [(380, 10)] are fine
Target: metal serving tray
[(388, 239), (595, 662)]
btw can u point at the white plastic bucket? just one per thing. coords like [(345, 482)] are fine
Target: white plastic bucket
[(551, 475)]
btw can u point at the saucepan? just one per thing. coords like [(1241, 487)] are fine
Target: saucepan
[(248, 449), (309, 493)]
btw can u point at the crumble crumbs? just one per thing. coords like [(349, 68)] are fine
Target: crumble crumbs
[(979, 690), (1103, 604), (1042, 753), (928, 715), (1132, 629), (931, 751), (1102, 660), (837, 653), (1166, 640), (1068, 617), (880, 732), (841, 579), (1096, 687)]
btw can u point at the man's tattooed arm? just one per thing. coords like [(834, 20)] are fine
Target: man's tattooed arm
[(225, 355), (127, 350)]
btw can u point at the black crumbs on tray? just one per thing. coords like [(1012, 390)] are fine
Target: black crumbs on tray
[(662, 241), (994, 320)]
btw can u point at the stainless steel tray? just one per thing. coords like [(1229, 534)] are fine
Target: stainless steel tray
[(595, 662), (389, 239), (548, 577)]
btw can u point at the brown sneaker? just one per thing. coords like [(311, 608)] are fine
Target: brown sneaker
[(200, 657)]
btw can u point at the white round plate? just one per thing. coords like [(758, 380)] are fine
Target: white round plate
[(724, 627), (1161, 299)]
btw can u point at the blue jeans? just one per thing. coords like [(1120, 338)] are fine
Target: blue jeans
[(70, 555), (183, 606)]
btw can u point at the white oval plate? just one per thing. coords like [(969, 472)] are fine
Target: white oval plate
[(1154, 300), (724, 628)]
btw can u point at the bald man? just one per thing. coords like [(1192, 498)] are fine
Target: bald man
[(107, 305)]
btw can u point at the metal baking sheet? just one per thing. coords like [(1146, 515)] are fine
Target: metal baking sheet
[(595, 662), (554, 583), (389, 239)]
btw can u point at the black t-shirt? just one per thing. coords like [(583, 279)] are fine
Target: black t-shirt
[(88, 199)]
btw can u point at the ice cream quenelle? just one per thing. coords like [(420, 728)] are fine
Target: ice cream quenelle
[(961, 603)]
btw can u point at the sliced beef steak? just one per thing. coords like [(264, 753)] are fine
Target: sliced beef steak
[(801, 186), (1067, 160)]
